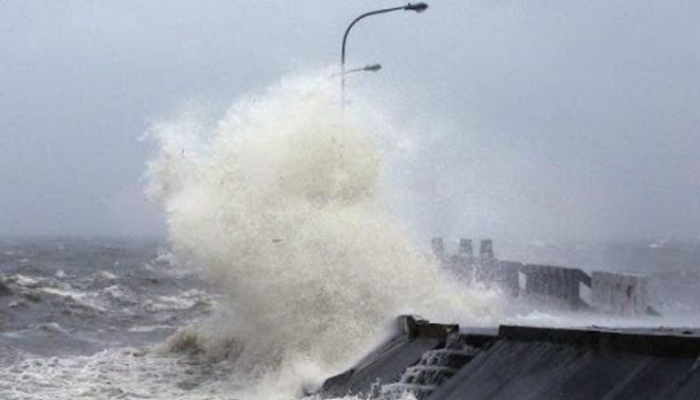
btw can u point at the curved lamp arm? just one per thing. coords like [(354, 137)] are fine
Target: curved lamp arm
[(418, 7)]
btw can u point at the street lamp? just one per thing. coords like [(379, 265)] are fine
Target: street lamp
[(418, 7), (371, 68), (366, 68)]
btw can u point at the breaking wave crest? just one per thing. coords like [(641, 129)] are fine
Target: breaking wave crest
[(278, 204)]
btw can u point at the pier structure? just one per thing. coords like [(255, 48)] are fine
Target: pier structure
[(610, 292)]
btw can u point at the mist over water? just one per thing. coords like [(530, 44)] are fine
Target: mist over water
[(278, 204)]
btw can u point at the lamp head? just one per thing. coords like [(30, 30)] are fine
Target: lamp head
[(418, 7), (373, 67)]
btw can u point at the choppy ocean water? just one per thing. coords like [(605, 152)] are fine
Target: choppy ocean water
[(84, 319), (90, 318)]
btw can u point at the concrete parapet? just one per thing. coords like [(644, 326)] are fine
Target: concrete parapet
[(613, 293), (502, 273), (466, 249), (414, 327), (641, 341), (485, 269), (622, 294), (486, 250), (558, 282), (437, 245)]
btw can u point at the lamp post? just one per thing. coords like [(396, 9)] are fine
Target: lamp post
[(418, 7)]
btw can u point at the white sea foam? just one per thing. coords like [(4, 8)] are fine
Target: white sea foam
[(51, 327), (64, 293), (149, 328), (105, 275), (26, 281), (278, 204), (182, 301), (115, 373), (84, 299)]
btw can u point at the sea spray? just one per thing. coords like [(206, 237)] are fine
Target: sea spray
[(278, 205)]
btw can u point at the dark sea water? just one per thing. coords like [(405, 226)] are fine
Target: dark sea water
[(86, 318), (80, 318)]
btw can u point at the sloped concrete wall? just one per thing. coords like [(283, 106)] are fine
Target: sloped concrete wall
[(543, 363), (386, 363), (538, 363)]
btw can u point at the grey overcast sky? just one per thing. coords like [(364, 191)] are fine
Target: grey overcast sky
[(543, 120)]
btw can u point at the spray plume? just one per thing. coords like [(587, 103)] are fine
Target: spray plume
[(278, 205)]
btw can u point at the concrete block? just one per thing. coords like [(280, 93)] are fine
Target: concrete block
[(558, 282), (508, 279), (503, 274), (621, 294), (486, 250), (415, 327), (438, 247), (466, 249)]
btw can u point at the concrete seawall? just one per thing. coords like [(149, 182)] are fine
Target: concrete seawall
[(611, 293), (435, 361)]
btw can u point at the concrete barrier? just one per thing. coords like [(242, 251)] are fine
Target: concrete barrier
[(482, 269), (557, 282), (413, 327), (504, 274), (437, 245), (486, 250), (622, 294), (466, 249)]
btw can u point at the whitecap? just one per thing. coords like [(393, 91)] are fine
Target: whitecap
[(105, 275), (26, 281)]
